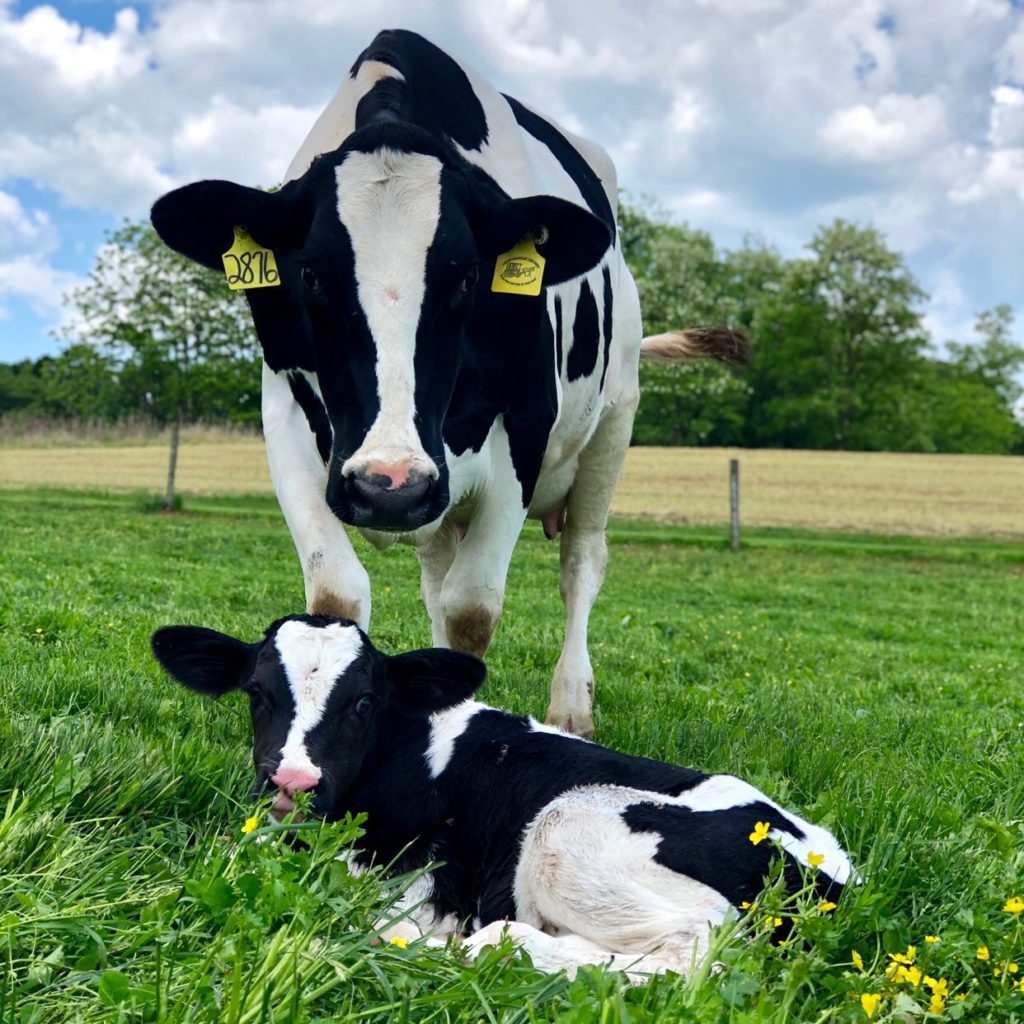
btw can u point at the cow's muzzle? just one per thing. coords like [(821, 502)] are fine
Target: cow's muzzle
[(387, 498)]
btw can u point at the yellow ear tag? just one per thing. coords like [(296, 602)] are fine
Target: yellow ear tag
[(519, 271), (248, 265)]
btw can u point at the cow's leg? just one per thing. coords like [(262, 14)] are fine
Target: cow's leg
[(435, 558), (336, 582), (568, 953), (584, 554), (474, 589)]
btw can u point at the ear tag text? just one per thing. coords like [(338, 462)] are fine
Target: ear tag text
[(248, 265), (520, 271)]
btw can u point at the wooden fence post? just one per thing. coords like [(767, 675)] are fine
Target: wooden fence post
[(734, 504)]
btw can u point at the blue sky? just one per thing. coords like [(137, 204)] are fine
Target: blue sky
[(743, 117)]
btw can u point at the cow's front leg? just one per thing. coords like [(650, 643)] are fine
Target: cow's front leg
[(473, 592), (336, 582), (584, 554), (435, 557)]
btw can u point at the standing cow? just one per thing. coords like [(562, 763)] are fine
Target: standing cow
[(450, 339)]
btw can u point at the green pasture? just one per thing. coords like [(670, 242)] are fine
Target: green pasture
[(873, 684)]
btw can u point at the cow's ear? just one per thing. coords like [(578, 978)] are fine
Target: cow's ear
[(199, 220), (571, 239), (203, 659), (429, 680)]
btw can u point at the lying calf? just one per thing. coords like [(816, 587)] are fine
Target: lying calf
[(596, 856)]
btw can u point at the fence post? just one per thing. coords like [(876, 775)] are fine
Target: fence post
[(734, 504)]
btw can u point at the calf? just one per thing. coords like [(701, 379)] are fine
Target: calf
[(595, 856)]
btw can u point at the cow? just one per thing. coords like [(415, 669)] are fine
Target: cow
[(450, 339), (584, 854)]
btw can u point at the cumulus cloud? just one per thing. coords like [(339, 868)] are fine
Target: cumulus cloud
[(895, 128)]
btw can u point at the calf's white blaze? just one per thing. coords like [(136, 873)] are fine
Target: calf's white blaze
[(390, 204), (314, 659)]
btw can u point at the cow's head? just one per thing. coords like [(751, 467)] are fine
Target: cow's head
[(320, 695), (386, 250)]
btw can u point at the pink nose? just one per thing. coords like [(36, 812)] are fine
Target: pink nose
[(293, 781), (397, 475)]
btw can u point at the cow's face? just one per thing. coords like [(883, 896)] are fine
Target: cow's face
[(386, 250), (323, 699)]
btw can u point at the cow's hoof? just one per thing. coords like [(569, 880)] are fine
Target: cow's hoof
[(581, 725)]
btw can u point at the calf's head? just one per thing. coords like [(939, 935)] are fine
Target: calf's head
[(385, 249), (323, 699)]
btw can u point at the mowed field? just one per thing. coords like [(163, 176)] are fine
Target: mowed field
[(922, 495), (872, 684)]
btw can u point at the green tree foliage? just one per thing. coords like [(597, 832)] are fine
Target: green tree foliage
[(681, 282)]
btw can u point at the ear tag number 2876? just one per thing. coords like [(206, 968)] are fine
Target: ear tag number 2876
[(519, 271), (248, 265)]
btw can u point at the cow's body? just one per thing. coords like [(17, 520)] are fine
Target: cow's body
[(594, 855), (538, 404)]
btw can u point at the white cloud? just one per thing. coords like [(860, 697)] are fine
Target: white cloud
[(896, 128)]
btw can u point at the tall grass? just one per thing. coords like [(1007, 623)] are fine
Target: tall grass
[(40, 432)]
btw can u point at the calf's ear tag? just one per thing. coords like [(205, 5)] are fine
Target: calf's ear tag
[(519, 271), (248, 265)]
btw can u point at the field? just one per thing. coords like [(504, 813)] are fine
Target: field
[(926, 495), (872, 683)]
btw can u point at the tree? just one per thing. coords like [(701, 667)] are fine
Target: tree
[(840, 349), (183, 342)]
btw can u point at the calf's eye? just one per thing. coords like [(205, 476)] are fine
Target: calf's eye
[(363, 705)]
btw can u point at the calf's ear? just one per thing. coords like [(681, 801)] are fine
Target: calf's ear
[(199, 220), (434, 678), (203, 659), (571, 239)]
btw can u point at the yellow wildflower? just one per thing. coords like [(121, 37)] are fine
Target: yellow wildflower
[(760, 832), (936, 1004), (960, 998), (932, 938), (399, 941), (250, 824), (939, 986), (904, 974), (982, 953), (746, 905), (826, 906), (905, 958), (869, 1002), (815, 859), (858, 961), (1012, 968), (1014, 905)]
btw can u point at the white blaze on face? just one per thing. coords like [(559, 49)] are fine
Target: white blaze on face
[(390, 204), (314, 659)]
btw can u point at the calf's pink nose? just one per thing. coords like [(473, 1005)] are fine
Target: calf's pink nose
[(293, 781)]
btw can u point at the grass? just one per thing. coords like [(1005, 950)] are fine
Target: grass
[(924, 495), (873, 684)]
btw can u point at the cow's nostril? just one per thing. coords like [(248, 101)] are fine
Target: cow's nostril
[(377, 488)]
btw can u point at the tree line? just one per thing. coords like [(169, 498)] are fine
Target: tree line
[(842, 360)]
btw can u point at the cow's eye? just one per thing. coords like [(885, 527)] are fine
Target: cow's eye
[(363, 705), (468, 283), (309, 279)]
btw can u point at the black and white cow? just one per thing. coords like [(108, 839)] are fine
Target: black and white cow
[(596, 856), (401, 394)]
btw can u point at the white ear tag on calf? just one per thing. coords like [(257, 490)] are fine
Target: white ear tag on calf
[(520, 271), (248, 265)]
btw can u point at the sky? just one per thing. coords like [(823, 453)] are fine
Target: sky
[(744, 118)]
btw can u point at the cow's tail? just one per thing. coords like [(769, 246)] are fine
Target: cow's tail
[(721, 343)]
